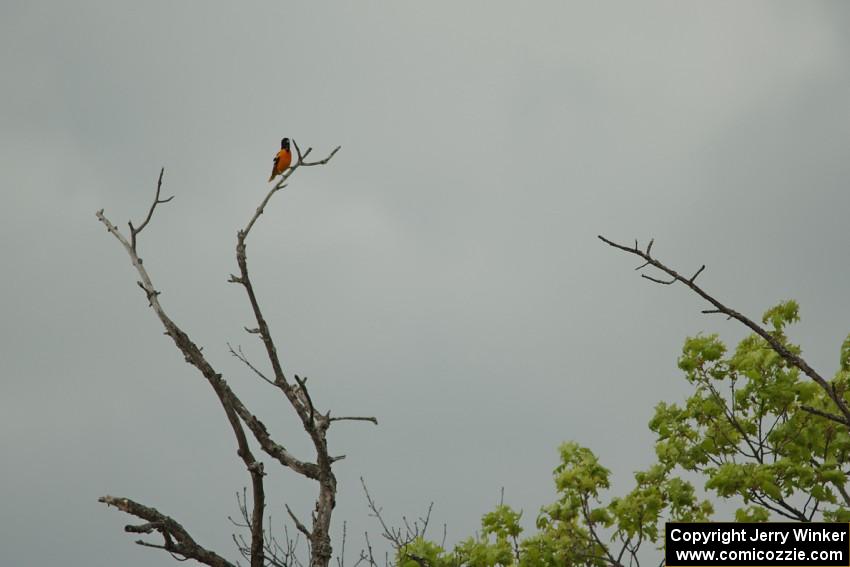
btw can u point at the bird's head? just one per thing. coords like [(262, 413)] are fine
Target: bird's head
[(284, 144)]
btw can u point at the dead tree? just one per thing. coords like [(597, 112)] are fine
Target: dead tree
[(671, 276), (262, 549)]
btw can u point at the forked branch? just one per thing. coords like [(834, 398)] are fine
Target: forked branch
[(156, 201), (176, 539)]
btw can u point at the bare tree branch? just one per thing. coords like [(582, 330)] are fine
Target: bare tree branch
[(176, 539), (783, 351), (230, 402)]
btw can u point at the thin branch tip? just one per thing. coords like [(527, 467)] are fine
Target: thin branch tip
[(656, 280), (698, 272)]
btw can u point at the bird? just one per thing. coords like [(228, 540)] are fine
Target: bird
[(282, 160)]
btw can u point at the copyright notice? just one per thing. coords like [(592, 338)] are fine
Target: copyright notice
[(759, 544)]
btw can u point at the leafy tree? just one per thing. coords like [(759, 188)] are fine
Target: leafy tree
[(745, 431), (579, 528), (762, 427)]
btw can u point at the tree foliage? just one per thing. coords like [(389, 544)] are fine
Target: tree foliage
[(752, 430), (745, 430)]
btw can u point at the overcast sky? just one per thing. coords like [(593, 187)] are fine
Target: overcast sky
[(441, 273)]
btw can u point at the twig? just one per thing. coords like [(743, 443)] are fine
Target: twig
[(298, 524), (302, 384), (355, 418), (241, 356), (156, 201)]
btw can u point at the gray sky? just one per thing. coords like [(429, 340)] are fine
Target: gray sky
[(442, 273)]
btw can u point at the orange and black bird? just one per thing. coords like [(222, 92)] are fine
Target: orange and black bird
[(282, 160)]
